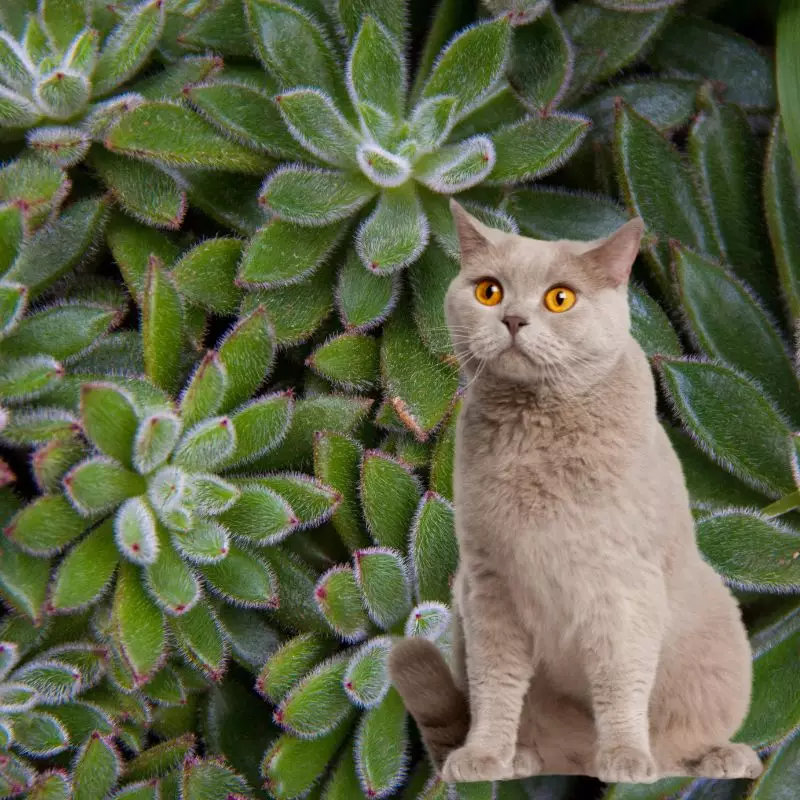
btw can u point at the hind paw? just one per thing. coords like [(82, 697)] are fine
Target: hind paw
[(726, 761)]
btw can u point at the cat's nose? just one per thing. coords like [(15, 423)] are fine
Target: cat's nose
[(514, 323)]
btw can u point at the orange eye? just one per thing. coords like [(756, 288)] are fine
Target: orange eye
[(559, 299), (488, 292)]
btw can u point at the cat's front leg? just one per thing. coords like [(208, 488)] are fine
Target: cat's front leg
[(500, 664)]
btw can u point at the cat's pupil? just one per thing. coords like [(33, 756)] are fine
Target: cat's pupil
[(561, 298)]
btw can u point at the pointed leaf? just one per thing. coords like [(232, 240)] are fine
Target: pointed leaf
[(26, 378), (311, 501), (315, 197), (242, 579), (170, 582), (16, 70), (206, 445), (704, 396), (13, 299), (432, 121), (155, 439), (382, 746), (365, 299), (96, 769), (251, 639), (109, 419), (366, 680), (206, 273), (162, 328), (287, 665), (100, 484), (207, 779), (457, 167), (177, 137), (62, 146), (434, 549), (430, 277), (81, 719), (349, 360), (209, 494), (205, 543), (39, 735), (389, 14), (260, 515), (17, 111), (135, 531), (383, 580), (340, 603), (23, 580), (376, 69), (199, 637), (429, 620), (205, 391), (45, 526), (260, 426), (650, 326)]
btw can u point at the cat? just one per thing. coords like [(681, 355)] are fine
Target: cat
[(589, 636)]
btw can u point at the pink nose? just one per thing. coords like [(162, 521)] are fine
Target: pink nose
[(514, 324)]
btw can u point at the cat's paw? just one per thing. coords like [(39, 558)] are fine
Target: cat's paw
[(623, 764), (526, 763), (727, 761), (472, 763)]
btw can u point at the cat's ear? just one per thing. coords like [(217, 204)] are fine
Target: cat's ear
[(473, 235), (613, 258)]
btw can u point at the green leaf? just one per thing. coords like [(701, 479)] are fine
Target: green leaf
[(382, 577), (710, 298), (139, 624), (420, 387), (312, 502), (36, 189), (205, 543), (81, 719), (177, 137), (11, 232), (352, 14), (536, 146), (782, 771), (228, 198), (750, 552), (52, 786), (45, 526), (220, 28), (155, 439), (59, 247), (292, 766), (252, 640), (200, 639), (365, 298), (62, 94), (39, 735), (162, 328), (366, 680), (209, 494), (100, 484), (382, 744), (16, 776), (728, 160), (169, 580), (349, 360), (260, 426), (432, 121), (293, 47), (389, 496), (206, 445), (242, 579), (207, 779), (128, 47), (343, 781), (109, 419), (205, 275), (39, 426), (540, 67), (135, 531), (247, 353), (51, 461), (376, 69), (781, 188), (650, 326), (143, 190), (339, 601), (23, 580), (247, 114), (86, 571), (260, 515), (443, 456), (705, 396), (17, 111), (205, 390), (317, 704), (605, 40), (96, 768), (471, 63), (29, 377), (429, 620), (16, 70), (13, 300), (697, 48), (457, 167), (431, 276), (658, 186), (62, 146), (282, 253), (289, 663), (434, 550), (786, 68)]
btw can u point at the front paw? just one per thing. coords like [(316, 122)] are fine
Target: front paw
[(472, 763), (623, 764), (526, 763)]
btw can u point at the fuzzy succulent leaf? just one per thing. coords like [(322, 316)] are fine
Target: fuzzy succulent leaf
[(366, 680), (205, 274), (96, 768), (650, 326), (200, 639), (45, 526), (382, 578), (259, 515), (135, 531), (206, 445), (242, 578), (207, 779), (39, 735), (781, 771), (63, 146), (171, 583), (109, 419), (430, 277), (100, 484), (349, 360), (434, 549), (205, 390), (339, 602), (27, 378), (16, 70), (52, 786), (375, 69), (289, 663), (429, 620), (364, 298), (23, 579)]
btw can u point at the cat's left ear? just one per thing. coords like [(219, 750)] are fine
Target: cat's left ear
[(613, 258)]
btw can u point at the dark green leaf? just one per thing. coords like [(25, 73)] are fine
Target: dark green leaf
[(376, 70), (650, 326), (45, 526), (109, 419), (39, 735), (200, 639), (382, 577), (287, 665), (162, 328), (364, 298), (349, 360), (23, 579), (260, 515), (339, 601), (381, 749), (205, 274), (434, 550)]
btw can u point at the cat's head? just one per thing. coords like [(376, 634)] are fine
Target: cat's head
[(538, 313)]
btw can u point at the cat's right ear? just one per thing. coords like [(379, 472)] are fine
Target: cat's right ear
[(473, 236)]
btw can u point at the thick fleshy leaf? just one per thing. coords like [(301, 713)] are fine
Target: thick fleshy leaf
[(12, 230), (53, 682), (432, 122), (229, 198), (206, 445), (349, 360), (109, 419), (260, 426), (252, 640), (318, 703), (135, 531), (208, 778), (16, 70), (343, 781), (177, 137), (162, 328), (96, 768), (205, 543), (35, 188), (364, 298), (728, 160), (156, 437), (209, 494), (220, 28), (536, 146), (293, 47), (659, 188), (457, 167), (382, 744), (287, 665), (419, 386), (26, 378), (366, 680), (81, 719), (129, 46), (200, 639), (62, 146), (395, 234), (144, 191), (376, 69), (431, 276), (45, 526), (705, 396), (259, 515), (541, 62), (13, 299), (605, 40), (472, 63), (60, 246), (205, 391), (351, 13), (38, 426), (389, 496), (169, 580), (55, 785), (711, 298), (139, 624), (51, 462), (339, 601), (16, 698), (315, 197), (650, 326), (86, 571), (17, 111), (311, 501), (39, 735), (282, 253), (243, 579), (781, 190), (751, 552), (382, 577), (698, 48), (434, 549), (429, 620), (100, 484), (16, 776), (62, 94), (23, 578), (205, 274), (247, 353), (183, 74)]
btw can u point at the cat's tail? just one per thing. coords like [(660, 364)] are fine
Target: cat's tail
[(423, 679)]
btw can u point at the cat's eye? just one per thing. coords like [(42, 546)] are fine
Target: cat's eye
[(488, 292), (559, 298)]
